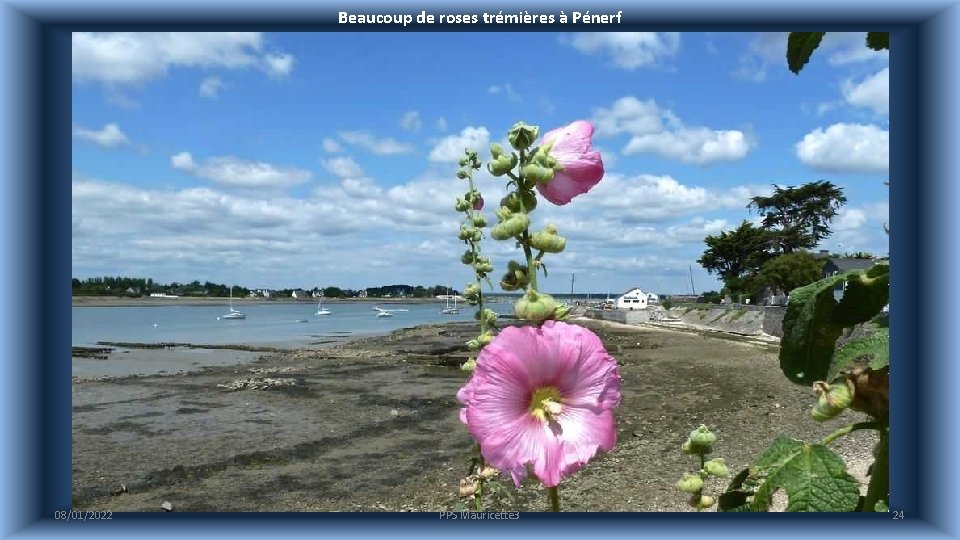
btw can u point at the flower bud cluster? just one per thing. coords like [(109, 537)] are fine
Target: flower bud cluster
[(471, 232), (700, 443)]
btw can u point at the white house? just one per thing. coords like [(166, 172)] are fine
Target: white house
[(632, 299)]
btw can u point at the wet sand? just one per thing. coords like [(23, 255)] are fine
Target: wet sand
[(372, 425)]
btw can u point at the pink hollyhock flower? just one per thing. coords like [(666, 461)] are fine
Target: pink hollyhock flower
[(582, 167), (544, 398), (478, 203)]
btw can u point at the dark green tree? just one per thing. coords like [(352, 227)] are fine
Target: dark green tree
[(735, 255), (800, 45), (799, 217), (787, 272)]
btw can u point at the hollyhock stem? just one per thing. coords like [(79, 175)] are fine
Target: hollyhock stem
[(476, 254), (525, 237), (553, 495)]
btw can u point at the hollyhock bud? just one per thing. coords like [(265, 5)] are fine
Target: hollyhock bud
[(473, 344), (462, 174), (833, 399), (478, 202), (486, 315), (502, 165), (701, 501), (487, 472), (513, 201), (461, 205), (516, 224), (496, 150), (467, 257), (537, 173), (690, 483), (702, 436), (483, 265), (548, 240), (536, 307), (469, 365), (471, 293), (467, 487), (479, 221), (485, 338), (521, 136), (716, 467), (515, 277)]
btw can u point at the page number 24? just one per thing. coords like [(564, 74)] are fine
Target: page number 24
[(897, 514)]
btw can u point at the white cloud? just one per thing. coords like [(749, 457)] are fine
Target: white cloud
[(210, 87), (628, 50), (451, 148), (236, 172), (846, 148), (278, 65), (367, 141), (410, 121), (505, 89), (332, 146), (660, 131), (137, 57), (873, 92), (108, 137), (441, 124), (849, 218), (344, 167), (701, 146)]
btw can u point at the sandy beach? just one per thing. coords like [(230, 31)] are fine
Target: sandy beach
[(372, 425)]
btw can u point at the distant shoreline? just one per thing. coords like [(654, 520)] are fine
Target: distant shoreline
[(120, 301)]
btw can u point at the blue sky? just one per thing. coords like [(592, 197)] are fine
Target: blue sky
[(302, 160)]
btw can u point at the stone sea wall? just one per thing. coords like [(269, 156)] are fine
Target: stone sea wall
[(743, 320)]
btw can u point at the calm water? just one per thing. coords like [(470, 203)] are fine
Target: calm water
[(274, 323)]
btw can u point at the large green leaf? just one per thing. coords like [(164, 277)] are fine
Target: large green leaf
[(875, 348), (864, 297), (814, 319), (809, 334), (878, 41), (814, 478), (800, 45)]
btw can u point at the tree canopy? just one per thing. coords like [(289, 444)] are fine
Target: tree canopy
[(799, 217)]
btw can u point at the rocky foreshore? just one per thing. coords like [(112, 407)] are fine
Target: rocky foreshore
[(372, 425)]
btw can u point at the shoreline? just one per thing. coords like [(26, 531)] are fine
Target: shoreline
[(120, 301)]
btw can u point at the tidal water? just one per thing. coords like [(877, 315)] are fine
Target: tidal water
[(279, 324)]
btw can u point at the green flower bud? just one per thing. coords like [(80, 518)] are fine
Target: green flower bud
[(465, 233), (464, 162), (561, 313), (702, 436), (701, 501), (473, 345), (690, 483), (486, 315), (515, 278), (502, 165), (548, 240), (691, 449), (469, 365), (503, 213), (462, 174), (467, 257), (716, 467), (485, 338), (513, 226), (496, 150), (521, 136), (513, 199), (537, 173), (479, 220), (483, 267), (536, 307), (833, 399), (461, 205), (471, 293)]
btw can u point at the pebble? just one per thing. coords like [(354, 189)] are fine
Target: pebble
[(167, 507)]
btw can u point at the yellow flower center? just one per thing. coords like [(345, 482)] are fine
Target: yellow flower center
[(545, 404)]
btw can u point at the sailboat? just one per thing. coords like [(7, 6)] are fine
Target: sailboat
[(383, 312), (233, 314), (320, 308), (450, 310)]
